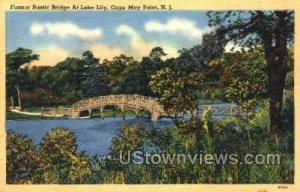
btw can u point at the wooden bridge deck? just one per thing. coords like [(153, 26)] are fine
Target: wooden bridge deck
[(134, 103)]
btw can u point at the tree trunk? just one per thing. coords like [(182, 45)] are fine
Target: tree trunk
[(12, 102), (277, 61), (276, 87), (19, 97)]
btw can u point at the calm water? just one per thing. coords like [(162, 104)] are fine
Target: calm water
[(93, 135)]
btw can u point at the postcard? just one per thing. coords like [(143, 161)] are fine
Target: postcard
[(164, 95)]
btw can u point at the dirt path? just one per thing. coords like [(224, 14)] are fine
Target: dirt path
[(34, 114)]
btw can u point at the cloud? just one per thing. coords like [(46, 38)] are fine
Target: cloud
[(104, 52), (231, 47), (50, 56), (176, 26), (64, 30), (124, 29), (141, 48)]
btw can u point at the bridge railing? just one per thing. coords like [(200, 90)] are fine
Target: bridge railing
[(114, 98), (55, 111)]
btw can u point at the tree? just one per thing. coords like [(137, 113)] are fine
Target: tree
[(16, 71), (137, 78), (274, 32), (242, 75), (94, 84), (117, 71), (177, 90), (65, 80), (156, 54), (36, 77)]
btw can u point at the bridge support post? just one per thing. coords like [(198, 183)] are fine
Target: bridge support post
[(154, 116), (123, 114), (137, 115), (90, 113), (114, 109), (101, 113), (74, 114)]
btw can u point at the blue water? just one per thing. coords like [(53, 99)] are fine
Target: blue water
[(93, 135)]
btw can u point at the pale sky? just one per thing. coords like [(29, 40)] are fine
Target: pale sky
[(57, 35)]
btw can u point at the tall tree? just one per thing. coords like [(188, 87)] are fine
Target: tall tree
[(94, 83), (117, 71), (17, 72), (271, 30), (64, 80), (140, 76), (157, 53)]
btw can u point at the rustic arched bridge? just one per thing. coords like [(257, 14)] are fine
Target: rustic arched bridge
[(134, 103)]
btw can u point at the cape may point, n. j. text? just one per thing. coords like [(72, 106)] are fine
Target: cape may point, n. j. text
[(54, 7)]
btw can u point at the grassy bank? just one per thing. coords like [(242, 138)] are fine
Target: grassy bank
[(13, 116), (10, 115)]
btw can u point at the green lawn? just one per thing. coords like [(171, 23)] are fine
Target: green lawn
[(107, 113), (12, 115)]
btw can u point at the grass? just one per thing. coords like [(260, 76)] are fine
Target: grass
[(33, 109), (107, 113), (13, 116)]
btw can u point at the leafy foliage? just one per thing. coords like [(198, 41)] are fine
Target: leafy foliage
[(130, 139), (21, 159), (177, 90), (242, 75), (117, 71), (16, 71), (54, 161), (64, 80), (94, 83), (273, 31)]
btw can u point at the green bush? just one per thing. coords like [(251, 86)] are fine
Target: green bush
[(21, 159), (261, 119), (289, 80), (288, 110), (60, 159), (130, 139)]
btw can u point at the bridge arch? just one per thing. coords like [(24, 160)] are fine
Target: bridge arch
[(135, 103)]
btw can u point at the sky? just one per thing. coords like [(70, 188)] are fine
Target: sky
[(57, 35)]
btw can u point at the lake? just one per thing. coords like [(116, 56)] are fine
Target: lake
[(93, 135)]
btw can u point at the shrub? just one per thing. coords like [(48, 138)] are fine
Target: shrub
[(289, 80), (21, 159), (130, 139), (261, 118), (60, 159)]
